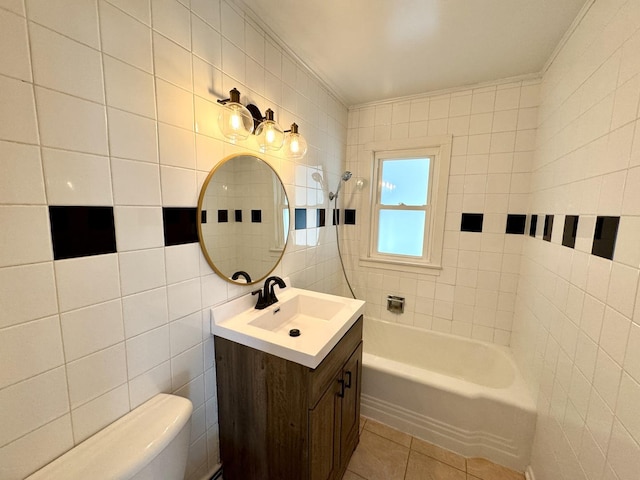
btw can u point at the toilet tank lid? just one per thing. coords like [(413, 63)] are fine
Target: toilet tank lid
[(126, 446)]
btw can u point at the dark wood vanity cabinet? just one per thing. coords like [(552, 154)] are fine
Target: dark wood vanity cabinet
[(280, 420)]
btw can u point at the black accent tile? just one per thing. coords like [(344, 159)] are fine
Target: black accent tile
[(548, 228), (349, 216), (570, 231), (82, 231), (180, 225), (336, 216), (223, 216), (321, 217), (471, 222), (203, 216), (534, 225), (238, 215), (301, 219), (256, 216), (604, 239), (516, 224)]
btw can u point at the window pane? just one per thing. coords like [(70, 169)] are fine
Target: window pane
[(405, 182), (401, 232)]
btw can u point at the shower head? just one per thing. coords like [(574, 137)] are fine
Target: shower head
[(344, 178)]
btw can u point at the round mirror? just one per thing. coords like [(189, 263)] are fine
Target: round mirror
[(243, 219)]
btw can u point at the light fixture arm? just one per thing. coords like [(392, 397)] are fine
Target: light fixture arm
[(256, 114)]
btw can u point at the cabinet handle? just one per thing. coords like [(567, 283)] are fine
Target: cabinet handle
[(348, 374), (341, 394)]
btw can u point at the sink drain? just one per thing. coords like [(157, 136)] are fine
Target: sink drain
[(294, 332)]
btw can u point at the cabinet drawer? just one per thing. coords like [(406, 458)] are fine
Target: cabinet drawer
[(323, 375)]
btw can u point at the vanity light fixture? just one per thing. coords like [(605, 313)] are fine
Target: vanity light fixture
[(294, 144), (269, 134), (235, 120)]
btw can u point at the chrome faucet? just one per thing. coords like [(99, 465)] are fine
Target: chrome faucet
[(267, 296)]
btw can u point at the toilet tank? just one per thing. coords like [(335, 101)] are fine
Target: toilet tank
[(150, 442)]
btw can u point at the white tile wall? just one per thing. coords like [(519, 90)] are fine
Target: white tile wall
[(76, 179), (171, 18), (145, 311), (34, 402), (35, 282), (21, 221), (135, 183), (96, 374), (86, 281), (584, 369), (141, 270), (90, 329), (491, 125), (126, 116), (56, 17), (132, 136), (139, 9), (172, 62), (120, 79), (82, 76), (71, 123), (138, 228), (29, 349), (125, 38), (14, 52), (20, 174), (17, 98), (38, 447), (97, 414)]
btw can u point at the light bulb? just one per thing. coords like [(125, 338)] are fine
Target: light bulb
[(235, 121), (270, 136), (295, 144)]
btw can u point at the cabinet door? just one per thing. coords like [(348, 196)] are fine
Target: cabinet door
[(324, 432), (350, 415)]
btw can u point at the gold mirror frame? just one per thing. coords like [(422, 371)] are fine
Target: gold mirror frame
[(270, 248)]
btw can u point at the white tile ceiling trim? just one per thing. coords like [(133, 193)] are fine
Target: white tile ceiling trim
[(567, 35)]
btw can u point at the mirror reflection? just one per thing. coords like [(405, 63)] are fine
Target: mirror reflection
[(243, 219)]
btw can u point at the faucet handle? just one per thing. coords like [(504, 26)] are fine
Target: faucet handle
[(262, 300)]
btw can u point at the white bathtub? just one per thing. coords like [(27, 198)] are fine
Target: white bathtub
[(461, 394)]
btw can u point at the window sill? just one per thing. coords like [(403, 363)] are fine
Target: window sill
[(400, 266)]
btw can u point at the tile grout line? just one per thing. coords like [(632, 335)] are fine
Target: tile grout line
[(410, 448)]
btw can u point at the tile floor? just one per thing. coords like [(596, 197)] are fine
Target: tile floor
[(387, 454)]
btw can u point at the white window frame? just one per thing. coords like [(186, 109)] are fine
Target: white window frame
[(439, 150)]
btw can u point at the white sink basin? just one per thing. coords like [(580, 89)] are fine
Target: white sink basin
[(320, 318)]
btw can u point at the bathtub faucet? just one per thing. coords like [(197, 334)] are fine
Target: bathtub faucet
[(267, 296)]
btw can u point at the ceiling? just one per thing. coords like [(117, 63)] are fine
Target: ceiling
[(370, 50)]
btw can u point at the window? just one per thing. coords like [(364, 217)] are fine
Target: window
[(408, 204), (402, 206)]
